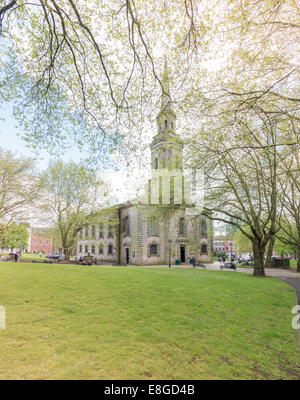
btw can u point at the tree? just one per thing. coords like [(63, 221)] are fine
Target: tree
[(19, 187), (70, 196), (289, 196), (241, 166), (16, 236)]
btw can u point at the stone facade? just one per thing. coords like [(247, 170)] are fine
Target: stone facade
[(162, 226)]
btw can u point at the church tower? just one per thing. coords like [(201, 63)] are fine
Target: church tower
[(166, 147)]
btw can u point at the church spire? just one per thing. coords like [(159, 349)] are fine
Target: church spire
[(166, 117), (166, 96)]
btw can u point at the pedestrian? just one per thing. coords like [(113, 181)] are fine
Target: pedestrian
[(224, 259), (40, 253), (16, 257), (193, 260)]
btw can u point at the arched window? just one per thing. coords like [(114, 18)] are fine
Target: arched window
[(153, 229), (204, 248), (182, 227), (101, 249), (101, 231), (86, 250), (93, 249), (86, 231), (166, 123), (110, 250), (110, 231), (153, 249), (126, 226), (203, 227), (155, 163), (80, 249)]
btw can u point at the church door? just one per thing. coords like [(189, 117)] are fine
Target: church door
[(182, 253), (127, 256)]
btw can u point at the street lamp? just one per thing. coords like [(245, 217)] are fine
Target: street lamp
[(170, 243)]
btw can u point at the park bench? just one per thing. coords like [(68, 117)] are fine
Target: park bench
[(228, 265), (200, 265)]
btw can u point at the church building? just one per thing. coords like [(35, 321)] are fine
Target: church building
[(164, 226)]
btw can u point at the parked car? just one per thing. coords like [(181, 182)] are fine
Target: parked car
[(55, 256)]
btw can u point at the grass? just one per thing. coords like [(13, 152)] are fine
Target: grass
[(75, 322)]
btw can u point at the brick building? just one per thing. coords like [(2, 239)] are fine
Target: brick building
[(39, 241)]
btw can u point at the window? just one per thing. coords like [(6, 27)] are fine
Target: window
[(81, 233), (86, 231), (110, 232), (101, 250), (153, 229), (172, 125), (126, 226), (166, 123), (110, 250), (101, 231), (203, 227), (181, 227), (155, 163), (80, 249), (93, 232), (86, 249), (93, 249), (153, 250), (204, 248)]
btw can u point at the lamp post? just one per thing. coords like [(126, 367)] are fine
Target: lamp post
[(170, 243)]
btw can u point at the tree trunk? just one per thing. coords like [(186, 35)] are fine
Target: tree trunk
[(67, 254), (259, 259), (270, 252), (298, 256)]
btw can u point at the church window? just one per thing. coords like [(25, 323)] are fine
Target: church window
[(204, 248), (203, 228), (153, 249), (101, 231), (110, 250), (110, 232), (153, 227), (166, 123), (126, 226), (182, 227)]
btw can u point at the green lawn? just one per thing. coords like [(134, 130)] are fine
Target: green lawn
[(76, 322)]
